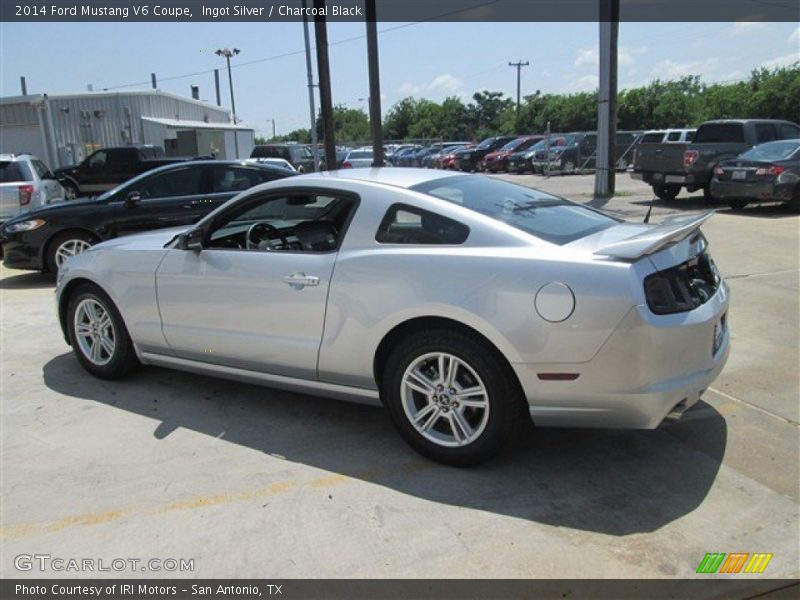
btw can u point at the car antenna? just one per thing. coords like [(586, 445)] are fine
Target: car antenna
[(650, 210)]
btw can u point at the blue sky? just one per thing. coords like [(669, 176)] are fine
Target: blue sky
[(430, 60)]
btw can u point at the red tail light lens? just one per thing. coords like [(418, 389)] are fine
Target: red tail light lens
[(347, 165), (25, 194), (690, 157), (771, 170)]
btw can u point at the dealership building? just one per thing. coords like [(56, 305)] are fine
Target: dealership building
[(64, 129)]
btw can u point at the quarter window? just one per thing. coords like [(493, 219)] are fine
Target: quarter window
[(405, 224), (765, 133)]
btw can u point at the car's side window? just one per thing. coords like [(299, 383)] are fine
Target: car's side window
[(765, 133), (228, 178), (296, 222), (98, 159), (404, 224), (182, 182), (789, 132)]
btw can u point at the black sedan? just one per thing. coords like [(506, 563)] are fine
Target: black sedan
[(766, 173), (170, 196)]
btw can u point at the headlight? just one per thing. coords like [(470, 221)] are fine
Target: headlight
[(24, 226)]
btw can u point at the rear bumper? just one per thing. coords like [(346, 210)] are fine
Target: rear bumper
[(752, 192), (650, 365)]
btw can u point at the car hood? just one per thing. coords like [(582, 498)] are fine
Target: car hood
[(149, 240), (50, 210)]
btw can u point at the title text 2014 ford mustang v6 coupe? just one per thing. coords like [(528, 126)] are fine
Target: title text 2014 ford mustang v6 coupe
[(461, 303)]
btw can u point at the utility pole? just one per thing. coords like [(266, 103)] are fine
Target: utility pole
[(227, 53), (312, 111), (324, 74), (24, 85), (374, 85), (153, 81), (519, 66), (273, 128), (216, 86), (604, 179)]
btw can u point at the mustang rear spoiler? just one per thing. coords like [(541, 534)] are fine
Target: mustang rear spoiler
[(670, 231)]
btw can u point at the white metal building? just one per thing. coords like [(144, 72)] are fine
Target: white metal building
[(64, 129)]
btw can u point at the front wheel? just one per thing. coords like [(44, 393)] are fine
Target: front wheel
[(451, 398), (98, 335)]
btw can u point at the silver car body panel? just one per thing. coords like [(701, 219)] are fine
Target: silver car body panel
[(230, 313)]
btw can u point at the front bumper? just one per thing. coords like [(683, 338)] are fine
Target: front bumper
[(19, 253), (650, 365)]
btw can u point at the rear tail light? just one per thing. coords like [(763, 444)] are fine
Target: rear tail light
[(718, 170), (771, 170), (347, 165), (690, 157), (682, 288), (25, 194)]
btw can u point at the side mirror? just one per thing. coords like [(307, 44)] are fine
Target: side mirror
[(133, 199), (191, 240)]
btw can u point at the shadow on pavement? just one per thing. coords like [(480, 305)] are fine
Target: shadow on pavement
[(609, 481), (27, 281)]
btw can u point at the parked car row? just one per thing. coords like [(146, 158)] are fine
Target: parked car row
[(736, 160)]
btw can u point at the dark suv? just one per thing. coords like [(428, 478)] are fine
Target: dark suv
[(470, 159), (300, 157)]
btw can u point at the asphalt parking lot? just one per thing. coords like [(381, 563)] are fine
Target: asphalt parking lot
[(253, 482)]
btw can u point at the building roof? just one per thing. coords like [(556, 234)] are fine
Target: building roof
[(185, 124), (106, 94)]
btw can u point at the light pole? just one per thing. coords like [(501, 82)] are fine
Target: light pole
[(227, 53), (518, 65)]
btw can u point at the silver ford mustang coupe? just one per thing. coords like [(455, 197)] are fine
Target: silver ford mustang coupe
[(463, 304)]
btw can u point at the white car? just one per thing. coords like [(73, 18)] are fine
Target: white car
[(25, 184), (465, 305)]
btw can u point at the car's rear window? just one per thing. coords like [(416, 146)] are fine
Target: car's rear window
[(772, 151), (547, 217), (267, 152), (11, 172), (652, 138), (360, 154), (719, 133)]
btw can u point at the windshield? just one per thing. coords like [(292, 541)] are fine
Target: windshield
[(544, 216), (485, 144), (772, 151)]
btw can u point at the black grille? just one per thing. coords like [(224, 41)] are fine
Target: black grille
[(682, 288)]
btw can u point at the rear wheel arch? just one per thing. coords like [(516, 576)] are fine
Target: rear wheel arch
[(417, 324)]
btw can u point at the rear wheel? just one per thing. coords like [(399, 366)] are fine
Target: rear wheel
[(66, 245), (451, 398), (666, 192), (567, 166), (98, 335)]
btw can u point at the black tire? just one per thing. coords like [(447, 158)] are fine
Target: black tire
[(51, 259), (507, 408), (708, 197), (666, 192), (567, 166), (794, 204), (122, 360), (71, 190), (737, 204)]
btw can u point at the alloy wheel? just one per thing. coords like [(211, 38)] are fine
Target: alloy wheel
[(70, 248), (94, 332), (444, 399)]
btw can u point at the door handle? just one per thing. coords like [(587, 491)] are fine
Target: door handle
[(300, 280)]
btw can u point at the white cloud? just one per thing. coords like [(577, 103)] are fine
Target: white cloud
[(587, 57), (670, 69), (409, 89), (781, 61), (585, 83), (794, 38), (445, 83), (745, 27)]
